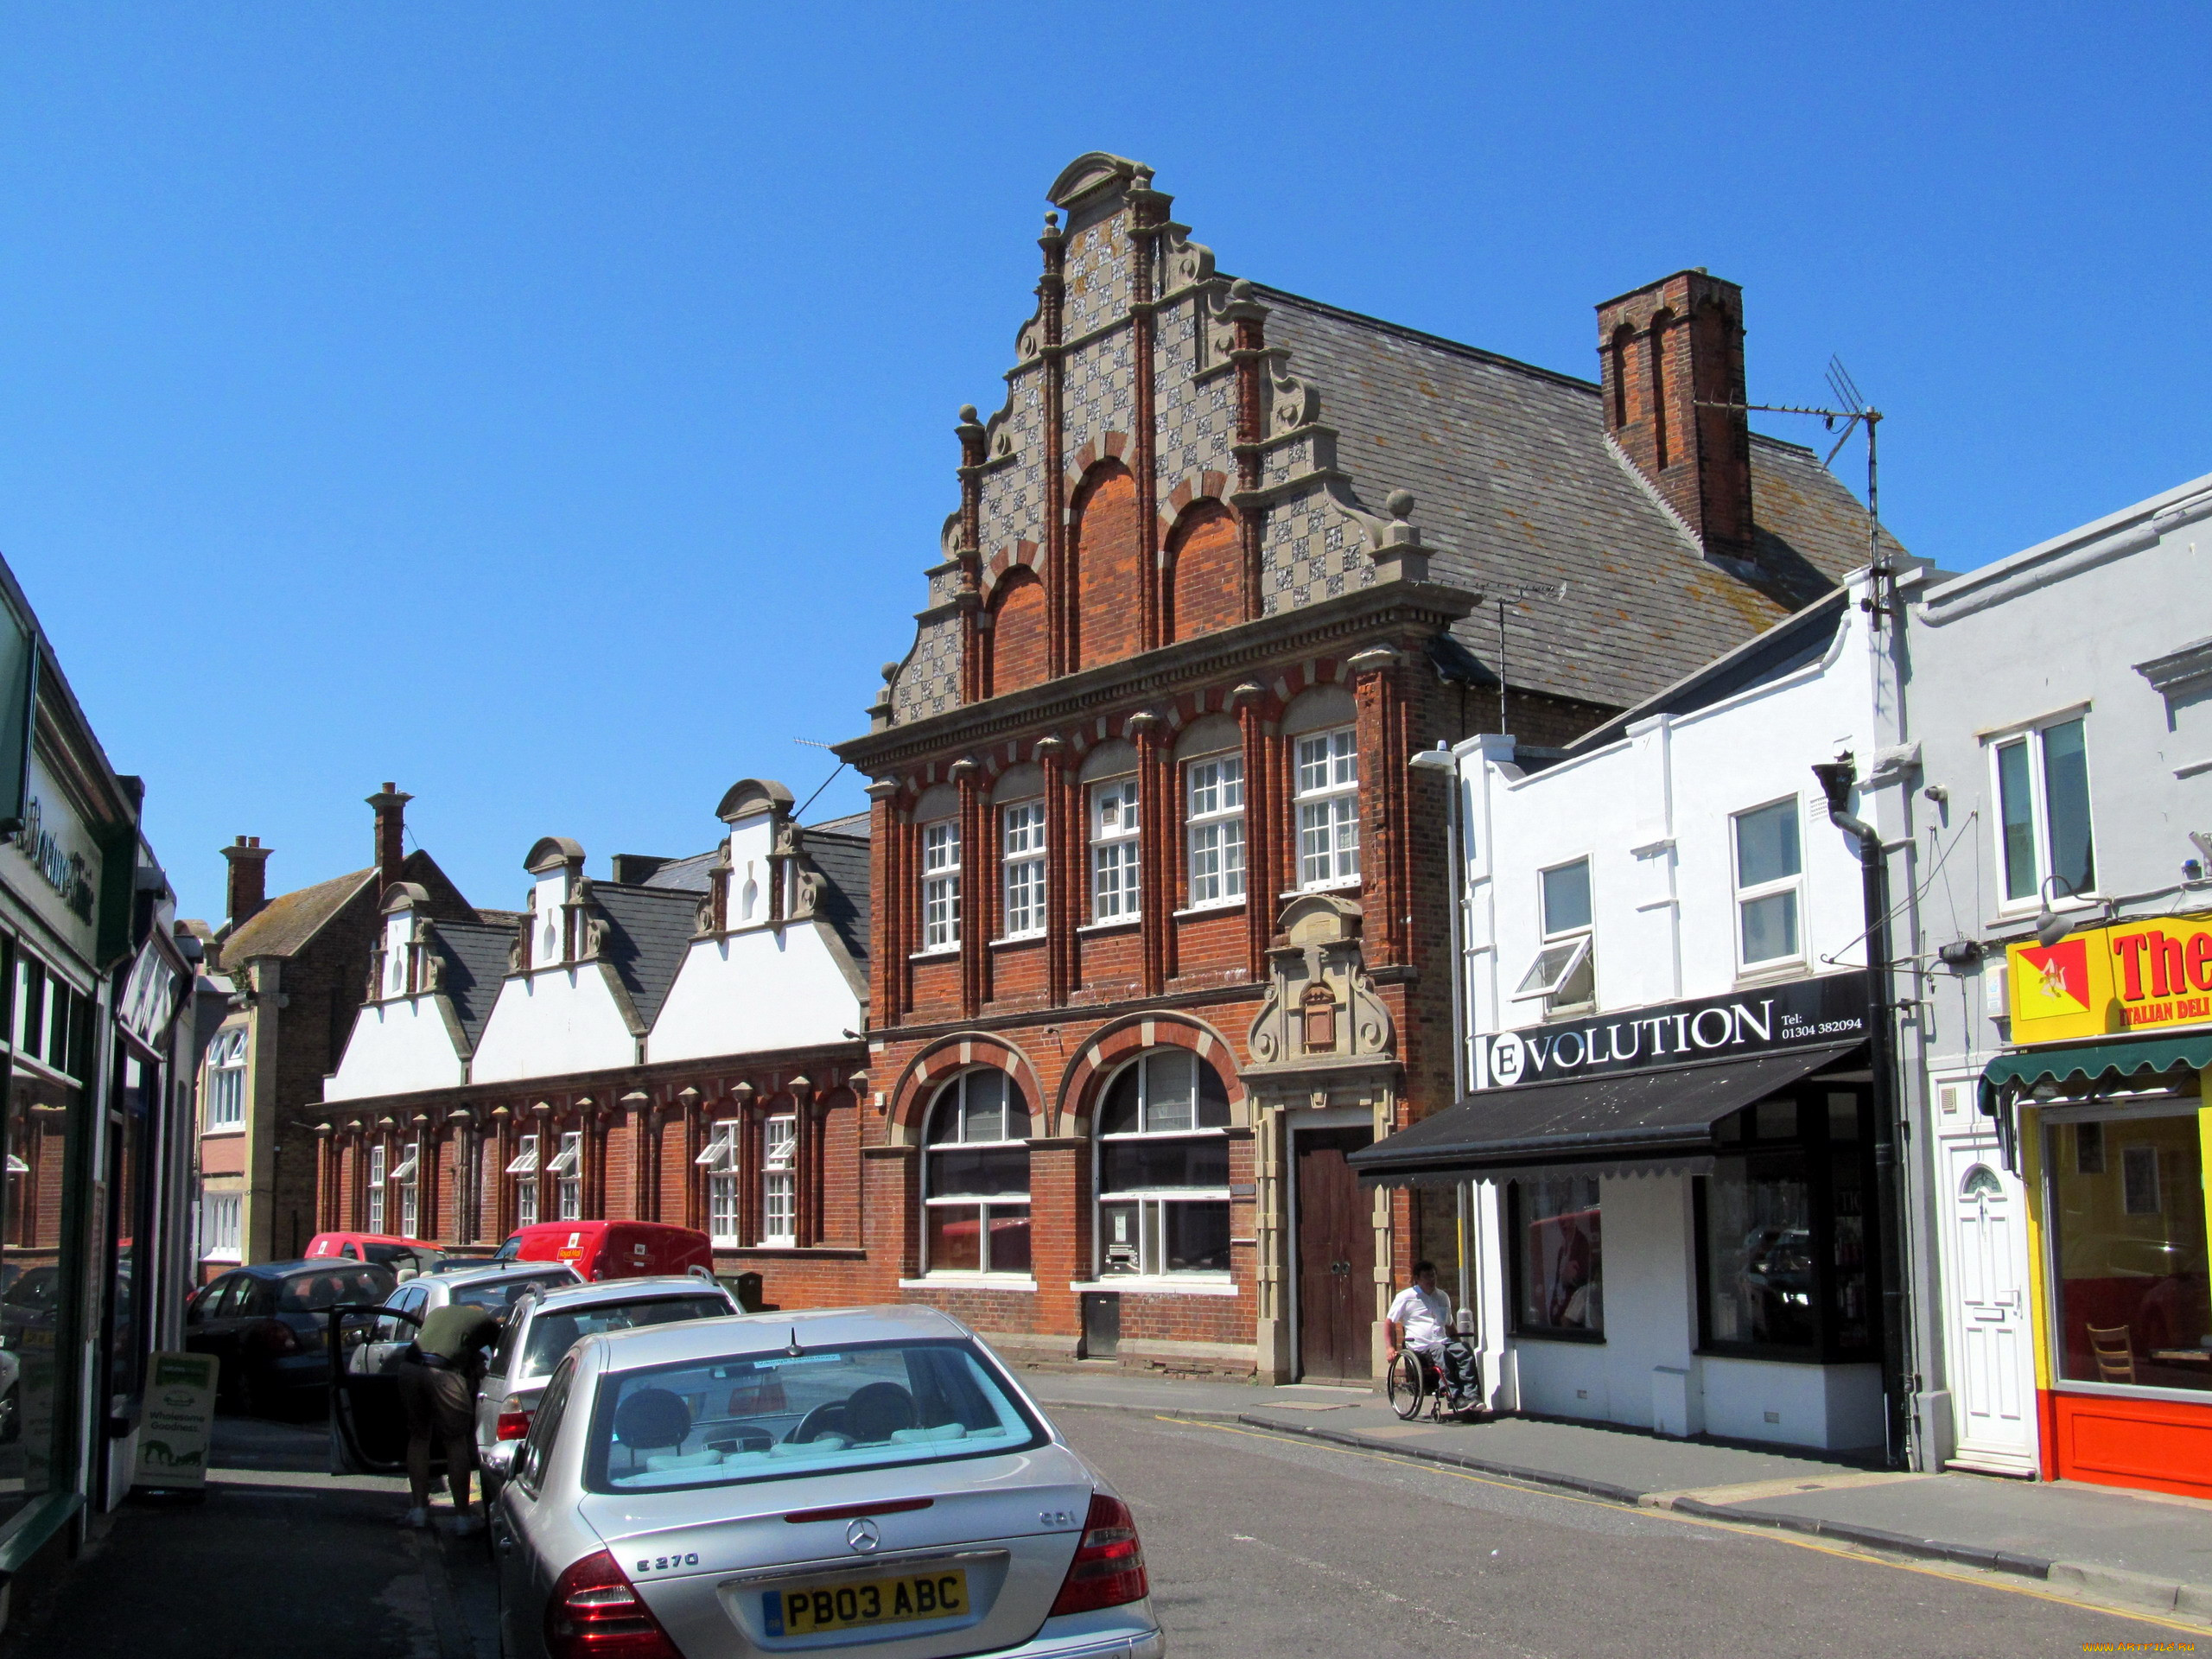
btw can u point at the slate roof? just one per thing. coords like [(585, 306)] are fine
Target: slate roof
[(651, 931), (852, 823), (843, 858), (287, 924), (1514, 485), (1790, 645), (475, 956), (689, 874)]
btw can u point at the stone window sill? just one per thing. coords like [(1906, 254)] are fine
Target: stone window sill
[(1219, 907), (968, 1281), (1011, 939), (1119, 924), (1349, 884), (1160, 1284), (936, 953)]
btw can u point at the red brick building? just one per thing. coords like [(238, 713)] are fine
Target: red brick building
[(1159, 906)]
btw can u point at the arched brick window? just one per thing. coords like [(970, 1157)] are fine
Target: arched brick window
[(1163, 1168), (1018, 636), (1108, 567), (1207, 558), (975, 1177), (1660, 324)]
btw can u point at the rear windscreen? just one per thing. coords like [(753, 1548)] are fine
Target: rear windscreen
[(779, 1416), (499, 1295), (553, 1332), (310, 1293)]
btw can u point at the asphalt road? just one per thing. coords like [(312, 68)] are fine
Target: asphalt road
[(1259, 1545)]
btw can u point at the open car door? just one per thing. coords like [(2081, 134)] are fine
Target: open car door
[(368, 1425)]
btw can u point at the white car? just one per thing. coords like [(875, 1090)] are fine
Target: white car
[(542, 1328), (827, 1483)]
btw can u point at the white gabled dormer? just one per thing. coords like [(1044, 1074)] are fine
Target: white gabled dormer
[(564, 1007), (407, 1036), (764, 970)]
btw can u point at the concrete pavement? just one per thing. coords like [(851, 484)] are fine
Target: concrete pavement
[(2138, 1550)]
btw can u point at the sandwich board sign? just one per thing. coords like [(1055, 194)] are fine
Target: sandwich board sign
[(178, 1421)]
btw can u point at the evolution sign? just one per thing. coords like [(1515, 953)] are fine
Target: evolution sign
[(2129, 976), (1830, 1009)]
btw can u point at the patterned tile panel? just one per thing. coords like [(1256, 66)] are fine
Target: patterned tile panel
[(1197, 423), (1099, 395), (1310, 550), (1097, 276), (1013, 497), (930, 682)]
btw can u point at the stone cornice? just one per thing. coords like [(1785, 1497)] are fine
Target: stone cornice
[(1153, 675)]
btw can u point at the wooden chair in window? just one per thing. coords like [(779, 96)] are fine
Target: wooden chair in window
[(2115, 1349)]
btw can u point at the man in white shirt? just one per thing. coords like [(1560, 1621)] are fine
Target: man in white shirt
[(1420, 1319)]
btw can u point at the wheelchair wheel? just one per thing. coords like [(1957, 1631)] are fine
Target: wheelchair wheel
[(1406, 1383)]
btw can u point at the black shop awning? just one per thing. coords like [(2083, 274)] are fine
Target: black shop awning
[(1634, 1117)]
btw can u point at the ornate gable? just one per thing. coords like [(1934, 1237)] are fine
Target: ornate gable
[(1157, 470)]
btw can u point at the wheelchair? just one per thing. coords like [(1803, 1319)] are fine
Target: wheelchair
[(1414, 1380)]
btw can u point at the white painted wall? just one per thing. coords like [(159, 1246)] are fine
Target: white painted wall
[(759, 989), (553, 1022), (1653, 814), (397, 1047)]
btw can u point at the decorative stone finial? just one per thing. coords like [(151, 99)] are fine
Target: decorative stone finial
[(1399, 504), (1051, 223), (890, 672), (966, 414)]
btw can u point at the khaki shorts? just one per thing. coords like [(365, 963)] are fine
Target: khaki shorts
[(440, 1404)]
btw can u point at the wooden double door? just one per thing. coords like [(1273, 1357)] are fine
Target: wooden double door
[(1336, 1258)]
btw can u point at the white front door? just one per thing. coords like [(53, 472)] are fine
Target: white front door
[(1992, 1384)]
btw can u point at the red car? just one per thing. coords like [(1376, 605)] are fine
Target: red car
[(612, 1249), (385, 1249)]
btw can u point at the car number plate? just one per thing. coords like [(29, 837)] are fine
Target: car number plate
[(865, 1601)]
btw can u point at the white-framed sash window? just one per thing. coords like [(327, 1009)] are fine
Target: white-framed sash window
[(1114, 840), (975, 1177), (1213, 793), (221, 1216), (2041, 782), (1328, 808), (379, 1162), (403, 1183), (941, 884), (719, 1158), (524, 1168), (1021, 850), (226, 1079), (779, 1181), (1163, 1169), (1769, 885), (1565, 972), (566, 1170)]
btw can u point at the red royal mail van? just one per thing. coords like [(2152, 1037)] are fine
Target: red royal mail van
[(612, 1249)]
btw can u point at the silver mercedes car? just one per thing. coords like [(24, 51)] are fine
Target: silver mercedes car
[(820, 1483)]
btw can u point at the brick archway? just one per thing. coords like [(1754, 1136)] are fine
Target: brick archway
[(1124, 1039), (947, 1056)]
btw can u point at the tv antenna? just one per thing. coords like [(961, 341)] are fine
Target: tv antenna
[(1854, 411)]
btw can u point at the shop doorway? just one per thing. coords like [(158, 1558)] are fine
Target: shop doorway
[(1336, 1258), (1994, 1384)]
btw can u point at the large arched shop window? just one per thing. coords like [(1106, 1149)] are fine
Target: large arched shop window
[(1163, 1168), (975, 1177)]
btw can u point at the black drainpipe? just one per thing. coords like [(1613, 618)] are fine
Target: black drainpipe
[(1836, 778)]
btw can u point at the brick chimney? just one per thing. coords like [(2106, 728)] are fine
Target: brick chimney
[(249, 861), (1666, 348), (391, 806)]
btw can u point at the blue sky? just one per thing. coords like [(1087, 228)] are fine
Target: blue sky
[(548, 407)]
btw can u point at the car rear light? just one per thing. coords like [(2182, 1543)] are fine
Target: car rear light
[(276, 1337), (1109, 1566), (513, 1424), (595, 1614)]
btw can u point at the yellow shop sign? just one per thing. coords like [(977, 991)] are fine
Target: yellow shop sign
[(2129, 976)]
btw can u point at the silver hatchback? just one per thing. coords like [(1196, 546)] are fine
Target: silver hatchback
[(542, 1328), (819, 1483)]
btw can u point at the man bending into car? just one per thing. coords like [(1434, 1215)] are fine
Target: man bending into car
[(438, 1375)]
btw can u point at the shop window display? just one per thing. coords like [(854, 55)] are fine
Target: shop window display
[(44, 1111), (1784, 1240), (1559, 1257), (2127, 1217), (1163, 1168)]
